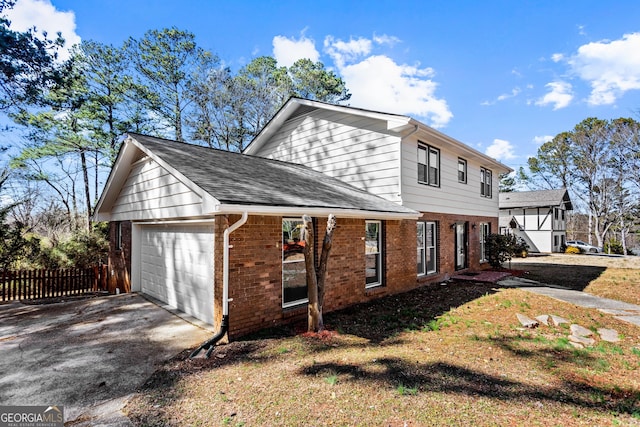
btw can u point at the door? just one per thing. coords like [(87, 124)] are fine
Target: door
[(461, 245), (176, 267)]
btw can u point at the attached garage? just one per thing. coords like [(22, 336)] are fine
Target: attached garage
[(176, 266)]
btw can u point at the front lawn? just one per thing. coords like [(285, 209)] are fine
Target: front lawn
[(441, 355)]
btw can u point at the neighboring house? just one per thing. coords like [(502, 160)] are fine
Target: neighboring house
[(539, 217), (412, 205)]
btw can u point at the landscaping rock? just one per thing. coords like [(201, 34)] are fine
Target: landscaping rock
[(526, 321), (609, 335), (580, 330), (544, 319), (576, 345), (557, 320), (585, 341)]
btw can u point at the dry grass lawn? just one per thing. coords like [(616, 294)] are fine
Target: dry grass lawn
[(441, 355), (609, 277)]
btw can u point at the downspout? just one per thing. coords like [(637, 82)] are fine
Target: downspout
[(224, 325)]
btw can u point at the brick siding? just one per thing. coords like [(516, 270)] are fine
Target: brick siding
[(255, 265)]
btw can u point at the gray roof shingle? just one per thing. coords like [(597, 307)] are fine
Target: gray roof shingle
[(532, 199), (239, 179)]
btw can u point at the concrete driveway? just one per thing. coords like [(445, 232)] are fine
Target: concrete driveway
[(87, 355)]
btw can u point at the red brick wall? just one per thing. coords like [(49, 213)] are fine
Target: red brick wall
[(119, 262), (446, 243), (256, 270), (255, 273)]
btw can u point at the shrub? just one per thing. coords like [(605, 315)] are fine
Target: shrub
[(502, 247), (85, 249), (613, 247), (572, 250)]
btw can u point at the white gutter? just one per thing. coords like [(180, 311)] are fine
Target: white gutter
[(295, 210), (225, 267)]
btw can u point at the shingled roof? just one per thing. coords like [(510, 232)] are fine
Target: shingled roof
[(535, 199), (240, 179)]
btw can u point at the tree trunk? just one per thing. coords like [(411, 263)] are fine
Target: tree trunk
[(327, 244), (316, 277), (87, 189), (314, 313)]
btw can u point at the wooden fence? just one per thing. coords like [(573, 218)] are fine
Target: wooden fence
[(40, 284)]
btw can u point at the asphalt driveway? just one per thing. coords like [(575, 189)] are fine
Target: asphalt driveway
[(88, 354)]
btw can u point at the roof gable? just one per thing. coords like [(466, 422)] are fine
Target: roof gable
[(538, 198), (235, 180)]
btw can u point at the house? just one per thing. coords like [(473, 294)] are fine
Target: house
[(538, 217), (215, 233)]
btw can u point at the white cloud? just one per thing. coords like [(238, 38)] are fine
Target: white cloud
[(559, 95), (42, 15), (377, 82), (514, 92), (539, 140), (500, 150), (557, 57), (342, 52), (385, 39), (611, 67), (289, 50)]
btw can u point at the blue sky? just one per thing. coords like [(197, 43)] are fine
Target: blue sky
[(501, 76)]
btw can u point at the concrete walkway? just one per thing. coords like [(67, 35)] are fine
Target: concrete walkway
[(620, 310)]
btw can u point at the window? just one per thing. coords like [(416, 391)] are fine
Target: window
[(556, 240), (485, 230), (373, 253), (426, 261), (556, 213), (428, 165), (462, 170), (485, 182), (118, 236), (294, 277)]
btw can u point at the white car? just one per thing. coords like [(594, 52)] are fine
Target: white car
[(584, 246)]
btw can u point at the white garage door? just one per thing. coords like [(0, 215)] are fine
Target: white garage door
[(177, 267)]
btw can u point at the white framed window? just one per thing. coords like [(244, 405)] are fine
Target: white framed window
[(485, 183), (428, 165), (294, 271), (426, 248), (373, 253), (485, 230), (462, 170)]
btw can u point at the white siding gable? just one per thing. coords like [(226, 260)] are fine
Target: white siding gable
[(152, 192), (356, 149)]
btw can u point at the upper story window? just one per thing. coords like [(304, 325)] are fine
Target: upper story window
[(428, 165), (462, 170), (485, 182)]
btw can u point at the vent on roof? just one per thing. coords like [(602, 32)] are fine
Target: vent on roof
[(302, 110)]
